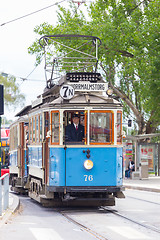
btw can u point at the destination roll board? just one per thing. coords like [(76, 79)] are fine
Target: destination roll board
[(89, 87)]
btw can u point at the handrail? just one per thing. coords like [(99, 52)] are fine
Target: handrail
[(4, 193)]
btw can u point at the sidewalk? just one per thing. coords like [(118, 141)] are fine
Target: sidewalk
[(13, 206), (151, 184)]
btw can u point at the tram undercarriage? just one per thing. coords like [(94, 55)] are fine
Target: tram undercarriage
[(73, 196)]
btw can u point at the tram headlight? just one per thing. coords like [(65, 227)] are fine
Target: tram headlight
[(88, 164), (109, 92)]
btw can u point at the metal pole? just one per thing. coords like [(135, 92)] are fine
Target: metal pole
[(0, 148), (6, 191), (0, 197), (96, 49)]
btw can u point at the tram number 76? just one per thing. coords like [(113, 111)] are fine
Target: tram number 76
[(88, 178)]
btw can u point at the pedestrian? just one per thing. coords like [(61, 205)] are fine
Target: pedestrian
[(130, 169)]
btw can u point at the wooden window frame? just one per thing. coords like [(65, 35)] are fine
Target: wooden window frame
[(119, 143), (54, 143)]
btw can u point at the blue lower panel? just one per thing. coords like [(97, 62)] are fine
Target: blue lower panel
[(13, 158), (103, 172), (26, 162), (57, 167), (107, 169)]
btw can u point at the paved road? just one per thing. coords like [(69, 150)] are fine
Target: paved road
[(34, 222)]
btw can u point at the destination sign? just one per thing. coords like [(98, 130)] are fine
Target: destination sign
[(89, 87)]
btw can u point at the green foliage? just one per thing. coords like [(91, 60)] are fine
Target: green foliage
[(12, 95), (130, 49)]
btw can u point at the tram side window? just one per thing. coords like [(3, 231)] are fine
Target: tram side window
[(30, 131), (101, 127), (40, 126), (119, 127), (34, 129), (15, 137), (37, 129), (55, 127)]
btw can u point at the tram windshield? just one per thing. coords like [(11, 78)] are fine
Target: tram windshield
[(99, 131), (75, 127), (101, 127)]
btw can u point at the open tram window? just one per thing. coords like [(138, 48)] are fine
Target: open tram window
[(119, 127), (55, 127), (101, 127), (75, 127)]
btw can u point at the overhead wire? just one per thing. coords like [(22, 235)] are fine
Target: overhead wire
[(16, 19), (29, 14), (26, 78)]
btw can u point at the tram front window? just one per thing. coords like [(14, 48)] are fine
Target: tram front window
[(74, 128), (101, 127)]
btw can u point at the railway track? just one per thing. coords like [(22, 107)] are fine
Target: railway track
[(66, 214), (144, 200), (83, 227), (131, 220)]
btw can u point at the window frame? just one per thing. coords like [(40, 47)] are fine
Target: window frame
[(119, 143), (111, 127), (55, 143)]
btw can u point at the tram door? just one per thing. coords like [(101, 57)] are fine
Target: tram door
[(21, 150), (75, 141), (45, 149)]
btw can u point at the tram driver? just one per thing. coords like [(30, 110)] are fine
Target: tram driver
[(75, 131)]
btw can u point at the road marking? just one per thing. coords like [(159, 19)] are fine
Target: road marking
[(76, 229), (45, 233), (129, 232), (28, 223)]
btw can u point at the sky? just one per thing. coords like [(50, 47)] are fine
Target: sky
[(16, 37)]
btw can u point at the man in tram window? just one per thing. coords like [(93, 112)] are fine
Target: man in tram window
[(75, 131)]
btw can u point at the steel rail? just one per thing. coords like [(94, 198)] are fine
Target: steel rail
[(131, 220), (89, 230)]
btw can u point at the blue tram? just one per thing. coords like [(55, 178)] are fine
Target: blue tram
[(59, 171)]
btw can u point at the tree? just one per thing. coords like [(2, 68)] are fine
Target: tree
[(12, 95), (129, 55)]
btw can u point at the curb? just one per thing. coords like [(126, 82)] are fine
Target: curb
[(149, 189), (12, 209)]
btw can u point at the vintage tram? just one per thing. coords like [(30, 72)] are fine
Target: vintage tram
[(59, 171)]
